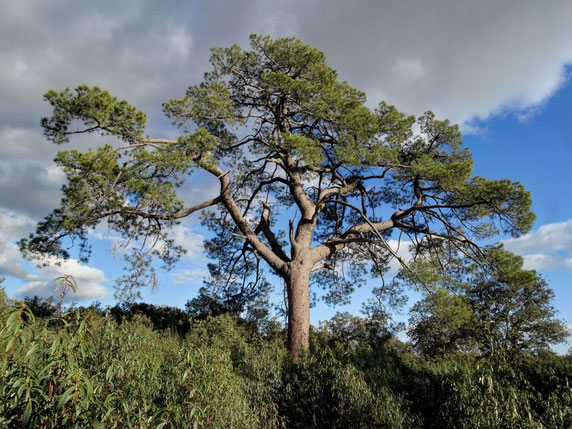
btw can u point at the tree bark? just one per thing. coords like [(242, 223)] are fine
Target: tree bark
[(298, 290)]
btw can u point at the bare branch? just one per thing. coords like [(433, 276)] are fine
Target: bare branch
[(373, 228), (226, 199)]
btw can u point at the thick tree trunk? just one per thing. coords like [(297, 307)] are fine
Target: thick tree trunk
[(298, 289)]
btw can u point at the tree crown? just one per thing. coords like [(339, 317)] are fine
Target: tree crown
[(282, 135), (503, 310)]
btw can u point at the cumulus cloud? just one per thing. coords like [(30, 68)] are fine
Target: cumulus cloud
[(403, 250), (475, 58), (186, 236), (191, 241), (30, 187), (193, 276), (128, 47), (549, 247), (13, 227), (30, 181), (89, 281), (10, 262), (466, 59)]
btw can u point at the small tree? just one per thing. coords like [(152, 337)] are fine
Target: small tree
[(502, 310), (312, 182), (438, 324)]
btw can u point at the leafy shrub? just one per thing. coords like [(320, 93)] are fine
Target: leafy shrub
[(83, 370), (4, 304), (42, 380), (322, 392), (493, 394), (257, 359)]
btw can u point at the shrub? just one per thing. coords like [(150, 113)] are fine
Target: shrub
[(84, 370), (322, 392), (493, 394)]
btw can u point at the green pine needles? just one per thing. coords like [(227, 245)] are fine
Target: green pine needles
[(311, 180)]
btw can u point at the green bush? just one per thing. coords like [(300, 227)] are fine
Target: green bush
[(83, 369), (493, 394), (4, 304), (322, 392), (257, 359)]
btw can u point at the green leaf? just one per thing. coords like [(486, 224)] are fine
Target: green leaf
[(65, 397), (27, 414)]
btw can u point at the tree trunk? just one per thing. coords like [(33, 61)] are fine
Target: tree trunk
[(298, 290)]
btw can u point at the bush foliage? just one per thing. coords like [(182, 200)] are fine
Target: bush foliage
[(87, 368)]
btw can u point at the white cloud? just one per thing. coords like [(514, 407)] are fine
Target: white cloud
[(539, 261), (184, 235), (477, 57), (191, 241), (30, 187), (89, 281), (193, 276), (463, 60), (549, 247), (402, 249), (14, 227), (112, 238), (10, 262)]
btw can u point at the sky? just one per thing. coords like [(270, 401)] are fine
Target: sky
[(502, 70)]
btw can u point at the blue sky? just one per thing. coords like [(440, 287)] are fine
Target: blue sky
[(503, 70)]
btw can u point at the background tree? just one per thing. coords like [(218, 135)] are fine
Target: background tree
[(312, 182), (439, 323), (42, 307), (161, 317), (250, 306), (503, 310)]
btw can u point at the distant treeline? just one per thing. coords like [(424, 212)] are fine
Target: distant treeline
[(161, 317)]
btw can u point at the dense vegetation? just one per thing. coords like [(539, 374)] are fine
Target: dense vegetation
[(150, 367)]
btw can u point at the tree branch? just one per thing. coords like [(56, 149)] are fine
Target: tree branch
[(373, 228), (226, 199), (264, 226)]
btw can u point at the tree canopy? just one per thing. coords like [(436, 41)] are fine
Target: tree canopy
[(313, 183), (503, 310)]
